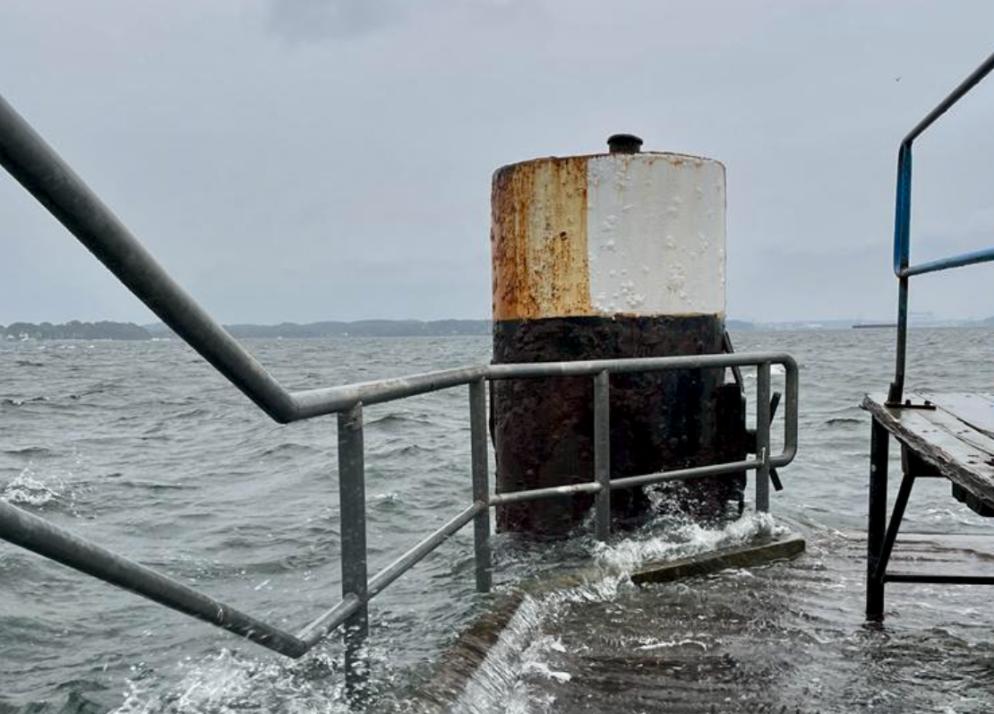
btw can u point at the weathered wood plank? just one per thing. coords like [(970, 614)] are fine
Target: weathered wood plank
[(948, 440), (974, 409)]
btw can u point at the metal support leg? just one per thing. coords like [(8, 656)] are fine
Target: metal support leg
[(763, 437), (481, 484), (900, 503), (352, 502), (877, 520), (602, 452)]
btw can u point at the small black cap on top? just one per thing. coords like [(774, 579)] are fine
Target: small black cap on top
[(624, 144)]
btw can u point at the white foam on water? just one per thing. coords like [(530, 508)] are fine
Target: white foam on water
[(776, 370), (228, 682), (523, 652), (534, 661), (672, 643), (686, 539), (29, 489)]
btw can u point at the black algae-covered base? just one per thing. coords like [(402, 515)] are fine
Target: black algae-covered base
[(543, 428)]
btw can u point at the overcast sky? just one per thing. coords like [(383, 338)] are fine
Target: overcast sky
[(306, 160)]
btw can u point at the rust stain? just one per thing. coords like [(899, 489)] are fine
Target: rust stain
[(538, 239)]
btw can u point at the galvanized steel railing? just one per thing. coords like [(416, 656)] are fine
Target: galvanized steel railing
[(39, 169), (902, 227), (38, 535)]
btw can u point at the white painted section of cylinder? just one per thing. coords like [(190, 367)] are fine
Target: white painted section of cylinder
[(656, 234)]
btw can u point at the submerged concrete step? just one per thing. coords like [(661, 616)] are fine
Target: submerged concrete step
[(513, 619), (745, 556)]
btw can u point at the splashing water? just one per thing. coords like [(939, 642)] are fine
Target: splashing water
[(28, 489), (525, 653)]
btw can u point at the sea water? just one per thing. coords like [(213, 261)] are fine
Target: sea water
[(143, 448)]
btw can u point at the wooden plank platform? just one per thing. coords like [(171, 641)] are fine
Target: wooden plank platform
[(955, 438)]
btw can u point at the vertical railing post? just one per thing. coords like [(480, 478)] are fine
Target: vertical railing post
[(352, 504), (896, 392), (602, 452), (763, 437), (481, 482)]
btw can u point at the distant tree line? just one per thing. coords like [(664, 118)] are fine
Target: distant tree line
[(75, 330), (366, 328), (105, 330)]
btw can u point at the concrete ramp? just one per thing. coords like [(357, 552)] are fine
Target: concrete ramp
[(748, 627)]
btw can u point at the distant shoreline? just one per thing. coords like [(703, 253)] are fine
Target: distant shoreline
[(107, 330)]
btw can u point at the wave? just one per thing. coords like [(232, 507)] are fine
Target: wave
[(13, 402), (399, 419), (231, 683), (838, 421), (290, 448), (27, 490), (30, 451)]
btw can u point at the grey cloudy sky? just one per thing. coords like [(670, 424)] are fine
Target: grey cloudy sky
[(306, 160)]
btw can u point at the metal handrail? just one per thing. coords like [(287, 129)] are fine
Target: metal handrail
[(38, 535), (47, 177), (902, 226)]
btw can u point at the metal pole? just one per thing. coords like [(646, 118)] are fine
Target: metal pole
[(481, 484), (985, 68), (602, 452), (896, 392), (50, 180), (902, 249), (877, 519), (763, 437), (352, 503)]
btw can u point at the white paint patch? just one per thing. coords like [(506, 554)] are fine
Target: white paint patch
[(656, 234)]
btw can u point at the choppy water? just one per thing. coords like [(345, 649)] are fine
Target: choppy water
[(144, 449)]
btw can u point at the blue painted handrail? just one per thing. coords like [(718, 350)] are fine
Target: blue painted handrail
[(902, 226), (902, 223)]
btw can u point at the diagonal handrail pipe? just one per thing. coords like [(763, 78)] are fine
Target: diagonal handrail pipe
[(36, 534), (48, 178)]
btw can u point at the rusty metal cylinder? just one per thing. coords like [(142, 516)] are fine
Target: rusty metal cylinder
[(608, 256)]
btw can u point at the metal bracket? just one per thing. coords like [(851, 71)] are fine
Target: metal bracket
[(908, 404)]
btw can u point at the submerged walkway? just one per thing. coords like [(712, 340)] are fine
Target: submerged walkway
[(787, 637)]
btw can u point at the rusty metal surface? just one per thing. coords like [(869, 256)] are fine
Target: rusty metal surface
[(605, 234), (539, 239), (543, 428)]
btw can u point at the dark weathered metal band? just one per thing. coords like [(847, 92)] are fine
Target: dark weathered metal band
[(544, 428)]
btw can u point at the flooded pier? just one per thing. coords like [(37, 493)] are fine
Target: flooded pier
[(782, 637)]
